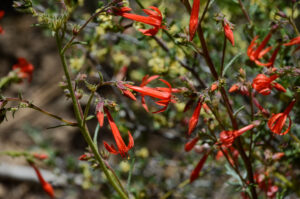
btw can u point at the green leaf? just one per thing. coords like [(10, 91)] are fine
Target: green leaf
[(230, 63)]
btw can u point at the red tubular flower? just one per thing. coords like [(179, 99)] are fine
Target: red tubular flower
[(122, 148), (227, 137), (277, 121), (255, 54), (234, 88), (195, 117), (194, 18), (263, 84), (228, 33), (190, 145), (125, 91), (25, 69), (164, 96), (196, 171), (46, 186), (154, 19), (294, 41)]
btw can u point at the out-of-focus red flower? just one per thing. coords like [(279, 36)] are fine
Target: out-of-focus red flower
[(196, 171), (25, 69), (278, 156), (227, 137), (266, 185), (83, 157), (234, 88), (234, 152), (1, 16), (190, 145), (164, 94), (228, 33), (45, 185), (195, 117), (277, 121), (214, 86), (122, 148), (294, 41), (255, 54), (263, 84), (154, 19), (239, 87), (194, 18), (2, 13), (40, 156)]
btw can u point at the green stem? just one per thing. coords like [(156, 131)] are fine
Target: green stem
[(130, 172), (87, 108), (83, 129), (96, 135)]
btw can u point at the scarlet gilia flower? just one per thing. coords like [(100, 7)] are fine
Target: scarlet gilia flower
[(122, 148), (165, 95), (277, 121), (242, 89), (294, 41), (45, 185), (190, 145), (227, 137), (255, 54), (125, 91), (228, 32), (40, 156), (194, 18), (100, 112), (25, 69), (196, 171), (234, 88), (154, 19), (195, 117), (263, 84)]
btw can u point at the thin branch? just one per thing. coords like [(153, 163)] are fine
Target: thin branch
[(32, 106), (244, 11)]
